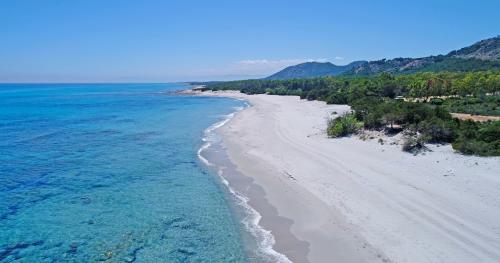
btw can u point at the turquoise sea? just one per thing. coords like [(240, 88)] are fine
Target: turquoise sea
[(110, 172)]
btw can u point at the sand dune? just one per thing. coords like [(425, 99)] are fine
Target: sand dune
[(359, 201)]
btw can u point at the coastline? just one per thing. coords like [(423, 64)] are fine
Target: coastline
[(394, 207), (259, 242)]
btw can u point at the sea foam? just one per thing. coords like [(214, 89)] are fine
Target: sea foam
[(264, 238)]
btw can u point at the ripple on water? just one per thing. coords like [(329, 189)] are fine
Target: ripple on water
[(113, 178)]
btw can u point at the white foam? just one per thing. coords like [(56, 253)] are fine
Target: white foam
[(251, 221), (209, 137), (202, 148)]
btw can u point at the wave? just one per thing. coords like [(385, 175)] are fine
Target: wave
[(251, 221), (209, 136), (265, 239)]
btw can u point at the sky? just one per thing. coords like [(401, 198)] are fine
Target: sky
[(166, 41)]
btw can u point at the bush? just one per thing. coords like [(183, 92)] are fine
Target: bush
[(337, 98), (489, 132), (343, 126), (478, 138), (476, 147), (490, 105), (438, 130), (436, 101), (373, 120), (414, 143)]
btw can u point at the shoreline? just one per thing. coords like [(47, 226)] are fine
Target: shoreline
[(214, 156), (358, 201), (312, 233), (285, 240)]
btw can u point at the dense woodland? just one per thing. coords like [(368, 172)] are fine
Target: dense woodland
[(343, 89), (377, 103)]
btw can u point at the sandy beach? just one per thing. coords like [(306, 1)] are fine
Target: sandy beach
[(349, 200)]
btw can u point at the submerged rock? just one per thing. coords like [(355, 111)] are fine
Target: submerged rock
[(73, 248)]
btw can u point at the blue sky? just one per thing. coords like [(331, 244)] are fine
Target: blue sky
[(157, 41)]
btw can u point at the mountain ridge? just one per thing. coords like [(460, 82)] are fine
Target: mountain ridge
[(482, 55), (313, 69)]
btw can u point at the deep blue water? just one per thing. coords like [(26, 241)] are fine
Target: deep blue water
[(109, 172)]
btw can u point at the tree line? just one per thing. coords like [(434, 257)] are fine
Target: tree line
[(341, 90)]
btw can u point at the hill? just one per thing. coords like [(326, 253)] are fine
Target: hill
[(483, 55), (488, 49), (313, 70)]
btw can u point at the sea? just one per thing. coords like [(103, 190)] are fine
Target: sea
[(117, 173)]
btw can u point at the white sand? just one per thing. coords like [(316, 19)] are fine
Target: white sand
[(359, 201)]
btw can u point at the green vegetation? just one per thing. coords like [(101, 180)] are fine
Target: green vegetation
[(433, 122), (478, 138), (344, 125), (314, 70), (460, 64), (341, 90), (426, 64), (481, 105), (377, 104), (414, 143), (481, 56)]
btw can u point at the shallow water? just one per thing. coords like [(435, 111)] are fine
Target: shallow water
[(110, 172), (259, 242)]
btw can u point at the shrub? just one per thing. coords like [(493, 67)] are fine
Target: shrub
[(489, 132), (478, 138), (343, 126), (490, 105), (373, 120), (438, 130), (337, 98), (436, 101), (477, 147), (414, 143)]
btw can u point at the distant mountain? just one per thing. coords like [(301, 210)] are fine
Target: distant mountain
[(483, 55), (488, 49), (313, 69)]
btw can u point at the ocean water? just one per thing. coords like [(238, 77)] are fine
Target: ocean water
[(111, 173)]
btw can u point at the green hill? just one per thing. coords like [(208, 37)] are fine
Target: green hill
[(313, 70), (483, 55)]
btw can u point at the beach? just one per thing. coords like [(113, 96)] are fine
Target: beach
[(350, 200)]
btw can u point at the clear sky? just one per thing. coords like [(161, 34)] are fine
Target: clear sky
[(157, 41)]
